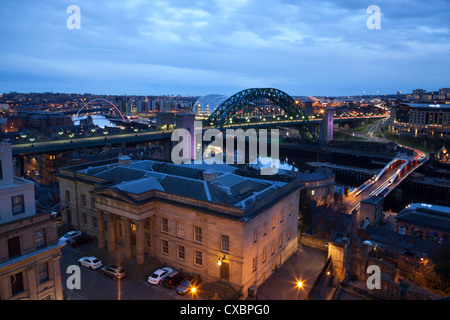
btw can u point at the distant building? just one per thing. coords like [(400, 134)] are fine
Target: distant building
[(421, 120), (318, 186), (29, 246), (424, 221), (217, 224)]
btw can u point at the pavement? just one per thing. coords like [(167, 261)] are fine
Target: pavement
[(304, 265)]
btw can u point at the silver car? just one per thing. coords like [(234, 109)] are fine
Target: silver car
[(112, 271)]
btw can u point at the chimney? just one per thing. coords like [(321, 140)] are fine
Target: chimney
[(209, 175), (124, 161)]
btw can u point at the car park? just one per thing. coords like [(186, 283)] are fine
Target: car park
[(113, 271), (70, 235), (159, 275), (192, 280), (173, 279), (90, 262)]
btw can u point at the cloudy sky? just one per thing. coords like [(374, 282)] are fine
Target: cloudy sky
[(193, 47)]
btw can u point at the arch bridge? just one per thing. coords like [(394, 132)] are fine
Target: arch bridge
[(109, 102), (259, 107)]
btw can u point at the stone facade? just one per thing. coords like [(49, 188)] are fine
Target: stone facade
[(29, 246), (241, 246)]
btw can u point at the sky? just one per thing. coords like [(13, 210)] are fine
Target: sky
[(305, 48)]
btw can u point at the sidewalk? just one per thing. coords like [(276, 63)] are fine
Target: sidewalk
[(304, 265)]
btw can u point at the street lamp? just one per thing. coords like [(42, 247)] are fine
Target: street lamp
[(299, 286), (193, 290)]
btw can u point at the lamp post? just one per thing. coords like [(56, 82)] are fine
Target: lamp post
[(299, 286), (193, 289)]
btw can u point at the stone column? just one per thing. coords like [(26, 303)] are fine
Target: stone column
[(5, 293), (32, 283), (111, 232), (57, 279), (101, 229), (140, 242), (128, 244)]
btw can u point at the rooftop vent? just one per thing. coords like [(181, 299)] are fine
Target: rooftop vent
[(124, 161), (209, 175)]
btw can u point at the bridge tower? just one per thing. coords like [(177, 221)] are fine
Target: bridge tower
[(326, 127)]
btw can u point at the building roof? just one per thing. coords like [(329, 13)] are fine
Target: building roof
[(427, 215), (142, 176)]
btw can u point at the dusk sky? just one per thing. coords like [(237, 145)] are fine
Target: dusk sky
[(139, 47)]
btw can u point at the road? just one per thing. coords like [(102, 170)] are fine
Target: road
[(353, 203)]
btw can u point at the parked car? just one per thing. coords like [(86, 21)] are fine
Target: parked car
[(173, 279), (159, 275), (192, 280), (70, 235), (90, 262), (113, 271), (79, 240)]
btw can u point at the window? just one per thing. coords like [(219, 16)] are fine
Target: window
[(281, 216), (92, 203), (42, 270), (18, 205), (147, 223), (147, 239), (165, 246), (40, 238), (273, 222), (255, 235), (290, 209), (84, 219), (164, 225), (265, 228), (94, 222), (14, 247), (180, 229), (17, 283), (83, 200), (198, 237), (67, 193), (198, 260), (224, 243), (254, 264), (180, 252), (273, 247), (264, 255), (281, 241)]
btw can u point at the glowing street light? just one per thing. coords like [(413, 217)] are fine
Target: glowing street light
[(299, 286)]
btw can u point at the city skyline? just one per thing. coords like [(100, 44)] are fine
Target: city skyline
[(174, 48)]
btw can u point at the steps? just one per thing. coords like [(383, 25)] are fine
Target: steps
[(218, 290)]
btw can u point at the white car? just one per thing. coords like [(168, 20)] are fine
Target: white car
[(159, 275), (70, 235), (90, 262)]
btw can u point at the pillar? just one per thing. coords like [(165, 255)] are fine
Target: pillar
[(111, 232), (140, 242), (101, 229), (57, 279), (32, 283), (128, 244)]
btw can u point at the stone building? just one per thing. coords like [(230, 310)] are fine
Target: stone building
[(215, 223), (29, 246)]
